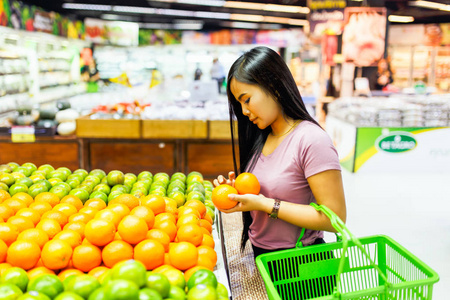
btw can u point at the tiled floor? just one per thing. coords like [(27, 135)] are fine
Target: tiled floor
[(411, 208)]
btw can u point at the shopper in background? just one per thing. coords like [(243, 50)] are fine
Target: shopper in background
[(198, 73), (291, 155), (218, 73), (382, 77)]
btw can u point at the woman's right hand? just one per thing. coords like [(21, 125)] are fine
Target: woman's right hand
[(222, 180)]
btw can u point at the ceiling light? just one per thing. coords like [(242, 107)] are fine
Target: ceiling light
[(259, 18), (401, 19), (242, 5), (211, 15), (431, 5), (80, 6)]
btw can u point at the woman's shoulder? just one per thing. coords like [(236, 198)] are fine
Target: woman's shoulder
[(308, 132)]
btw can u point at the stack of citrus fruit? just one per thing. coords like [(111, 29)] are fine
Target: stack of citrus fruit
[(55, 221), (127, 280)]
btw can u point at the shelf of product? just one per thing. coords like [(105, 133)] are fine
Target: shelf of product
[(108, 229), (413, 64), (395, 111)]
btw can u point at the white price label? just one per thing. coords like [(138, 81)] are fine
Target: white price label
[(22, 134)]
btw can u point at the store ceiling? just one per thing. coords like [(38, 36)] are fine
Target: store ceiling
[(220, 14)]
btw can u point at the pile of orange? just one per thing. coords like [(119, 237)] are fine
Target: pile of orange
[(65, 236)]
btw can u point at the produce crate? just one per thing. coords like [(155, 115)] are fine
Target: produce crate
[(38, 131), (108, 128), (221, 130), (174, 129)]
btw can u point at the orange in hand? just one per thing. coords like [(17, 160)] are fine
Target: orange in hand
[(220, 196), (247, 183)]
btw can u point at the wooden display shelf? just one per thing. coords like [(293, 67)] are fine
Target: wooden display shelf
[(108, 128), (220, 130), (174, 129), (57, 151)]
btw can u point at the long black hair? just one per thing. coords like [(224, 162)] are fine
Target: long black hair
[(263, 67)]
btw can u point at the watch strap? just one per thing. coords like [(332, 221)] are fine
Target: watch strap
[(275, 209)]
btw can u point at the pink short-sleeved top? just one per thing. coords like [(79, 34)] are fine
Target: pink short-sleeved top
[(306, 151)]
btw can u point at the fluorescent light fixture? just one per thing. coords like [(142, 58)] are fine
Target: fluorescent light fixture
[(243, 25), (188, 13), (113, 17), (242, 5), (80, 6), (259, 18), (179, 25), (400, 19), (430, 4), (267, 7)]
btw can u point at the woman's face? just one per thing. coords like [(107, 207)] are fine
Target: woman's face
[(257, 105)]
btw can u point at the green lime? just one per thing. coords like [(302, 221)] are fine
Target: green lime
[(99, 195), (36, 189), (93, 178), (202, 291), (13, 165), (4, 187), (176, 293), (86, 186), (158, 282), (149, 294), (98, 173), (121, 289), (98, 294), (83, 285), (82, 172), (7, 179), (16, 276), (65, 185), (23, 170), (175, 188), (17, 188), (78, 177), (130, 179), (80, 193), (73, 183), (57, 174), (159, 193), (46, 168), (33, 295), (115, 177), (65, 170), (59, 191), (45, 182), (178, 175), (145, 174), (47, 284), (69, 296), (39, 173), (208, 195), (202, 276), (37, 177), (178, 197), (9, 291), (222, 290), (159, 189), (142, 190), (211, 212), (195, 186), (131, 270), (195, 195), (119, 187), (5, 169), (25, 180), (102, 187), (141, 185), (54, 181), (30, 166), (175, 277)]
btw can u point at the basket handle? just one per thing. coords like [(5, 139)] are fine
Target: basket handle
[(346, 235)]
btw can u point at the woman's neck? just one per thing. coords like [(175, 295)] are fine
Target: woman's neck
[(283, 126)]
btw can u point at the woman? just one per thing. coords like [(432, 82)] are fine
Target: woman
[(383, 76), (290, 154)]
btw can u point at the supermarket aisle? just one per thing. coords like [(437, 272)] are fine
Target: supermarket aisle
[(411, 208)]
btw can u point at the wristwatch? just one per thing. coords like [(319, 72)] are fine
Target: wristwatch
[(275, 209)]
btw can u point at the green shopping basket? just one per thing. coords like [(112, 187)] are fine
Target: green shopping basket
[(374, 267)]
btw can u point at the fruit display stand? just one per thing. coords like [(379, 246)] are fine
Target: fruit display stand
[(60, 151), (108, 128), (103, 232)]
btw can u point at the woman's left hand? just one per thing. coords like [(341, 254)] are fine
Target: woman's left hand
[(249, 202)]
